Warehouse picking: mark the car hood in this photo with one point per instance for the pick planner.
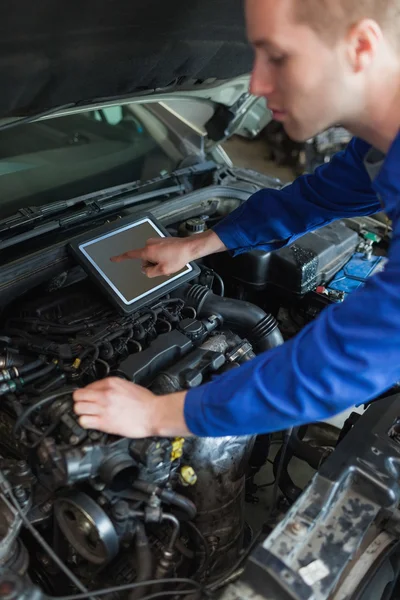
(56, 53)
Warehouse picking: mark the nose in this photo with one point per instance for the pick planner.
(261, 83)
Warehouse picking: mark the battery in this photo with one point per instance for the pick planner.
(356, 272)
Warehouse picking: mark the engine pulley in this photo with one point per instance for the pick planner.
(87, 527)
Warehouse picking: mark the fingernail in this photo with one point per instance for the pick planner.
(84, 422)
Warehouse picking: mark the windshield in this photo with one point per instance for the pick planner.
(64, 157)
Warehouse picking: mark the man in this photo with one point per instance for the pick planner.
(318, 63)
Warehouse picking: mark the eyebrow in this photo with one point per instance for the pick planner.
(263, 43)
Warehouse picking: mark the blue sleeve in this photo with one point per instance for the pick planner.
(350, 354)
(271, 219)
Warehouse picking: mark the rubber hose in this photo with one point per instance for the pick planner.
(143, 561)
(288, 488)
(30, 366)
(260, 328)
(168, 496)
(67, 391)
(310, 454)
(180, 502)
(38, 374)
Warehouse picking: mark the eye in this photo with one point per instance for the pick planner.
(277, 60)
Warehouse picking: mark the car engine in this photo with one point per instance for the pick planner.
(112, 511)
(179, 502)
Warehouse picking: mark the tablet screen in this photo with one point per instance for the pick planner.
(126, 278)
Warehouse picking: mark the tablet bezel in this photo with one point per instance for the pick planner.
(77, 248)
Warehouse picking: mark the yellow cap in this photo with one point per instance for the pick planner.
(188, 475)
(177, 448)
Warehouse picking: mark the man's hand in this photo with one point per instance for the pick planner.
(122, 408)
(165, 256)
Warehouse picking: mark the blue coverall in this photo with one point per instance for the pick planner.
(348, 355)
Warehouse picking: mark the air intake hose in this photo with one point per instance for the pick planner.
(260, 328)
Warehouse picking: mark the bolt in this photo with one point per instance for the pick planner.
(20, 494)
(22, 465)
(120, 510)
(154, 501)
(47, 507)
(213, 542)
(102, 501)
(44, 560)
(98, 485)
(73, 439)
(297, 528)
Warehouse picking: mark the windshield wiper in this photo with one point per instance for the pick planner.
(31, 215)
(95, 205)
(86, 214)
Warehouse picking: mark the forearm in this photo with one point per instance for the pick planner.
(273, 218)
(203, 244)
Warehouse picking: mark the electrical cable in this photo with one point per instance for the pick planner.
(286, 437)
(207, 553)
(39, 404)
(132, 586)
(265, 485)
(221, 283)
(45, 434)
(44, 544)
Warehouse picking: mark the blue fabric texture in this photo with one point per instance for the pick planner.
(351, 352)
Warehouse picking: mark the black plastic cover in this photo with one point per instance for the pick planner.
(298, 268)
(167, 348)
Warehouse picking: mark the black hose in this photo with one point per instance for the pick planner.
(180, 502)
(282, 477)
(58, 379)
(247, 319)
(143, 561)
(39, 404)
(38, 374)
(30, 366)
(90, 348)
(180, 546)
(168, 496)
(310, 454)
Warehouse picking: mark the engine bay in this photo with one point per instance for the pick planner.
(118, 511)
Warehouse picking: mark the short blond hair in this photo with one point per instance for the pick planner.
(332, 18)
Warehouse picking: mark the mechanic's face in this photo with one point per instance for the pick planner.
(306, 82)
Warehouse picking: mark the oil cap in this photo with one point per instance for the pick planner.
(195, 225)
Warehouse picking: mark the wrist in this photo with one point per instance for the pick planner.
(169, 419)
(203, 244)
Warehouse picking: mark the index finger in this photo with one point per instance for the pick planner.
(139, 253)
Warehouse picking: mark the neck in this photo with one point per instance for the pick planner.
(379, 122)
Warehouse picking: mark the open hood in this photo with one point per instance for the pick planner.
(55, 53)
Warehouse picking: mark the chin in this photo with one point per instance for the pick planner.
(299, 133)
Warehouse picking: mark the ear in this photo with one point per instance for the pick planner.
(363, 40)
